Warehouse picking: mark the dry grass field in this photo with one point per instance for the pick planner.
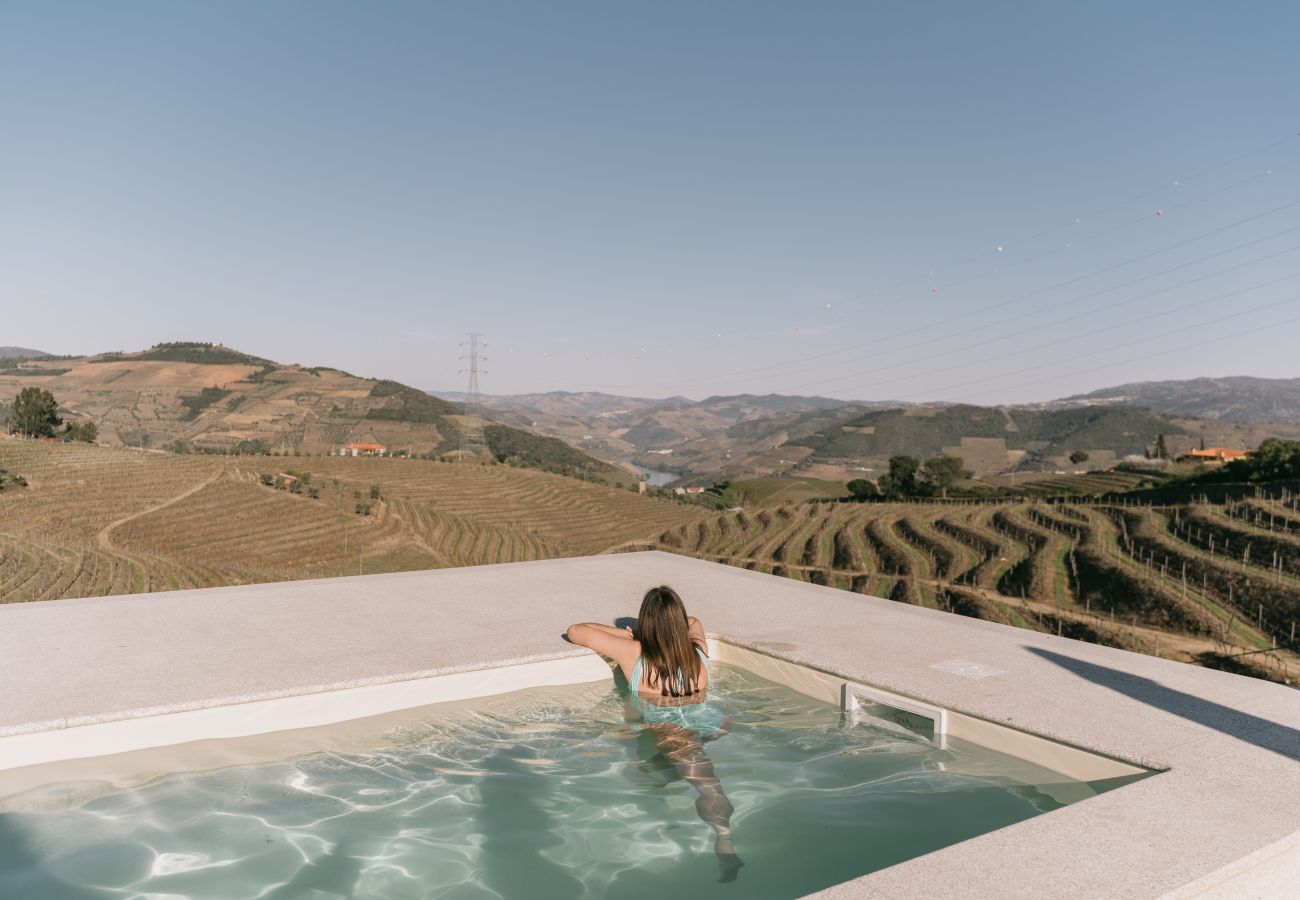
(99, 520)
(1213, 585)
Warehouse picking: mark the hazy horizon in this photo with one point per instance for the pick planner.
(1003, 204)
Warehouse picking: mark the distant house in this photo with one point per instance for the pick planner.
(1212, 455)
(364, 450)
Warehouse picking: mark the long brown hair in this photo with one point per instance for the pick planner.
(670, 660)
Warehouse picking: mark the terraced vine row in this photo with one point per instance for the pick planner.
(1127, 576)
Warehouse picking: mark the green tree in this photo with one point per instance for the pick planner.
(1274, 459)
(862, 489)
(900, 481)
(36, 413)
(941, 472)
(1079, 456)
(87, 432)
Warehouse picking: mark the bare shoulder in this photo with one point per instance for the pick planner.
(696, 632)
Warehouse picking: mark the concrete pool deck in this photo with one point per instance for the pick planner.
(1223, 821)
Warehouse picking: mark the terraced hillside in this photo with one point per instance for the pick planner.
(100, 520)
(1213, 585)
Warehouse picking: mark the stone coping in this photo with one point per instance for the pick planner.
(1222, 821)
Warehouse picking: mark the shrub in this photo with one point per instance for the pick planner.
(266, 479)
(861, 489)
(363, 509)
(374, 492)
(201, 401)
(255, 447)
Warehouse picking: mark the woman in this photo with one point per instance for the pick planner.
(666, 663)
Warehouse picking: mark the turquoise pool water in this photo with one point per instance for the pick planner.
(547, 793)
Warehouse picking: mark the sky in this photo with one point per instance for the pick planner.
(993, 203)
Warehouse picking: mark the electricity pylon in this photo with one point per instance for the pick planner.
(472, 442)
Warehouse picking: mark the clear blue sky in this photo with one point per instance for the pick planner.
(662, 198)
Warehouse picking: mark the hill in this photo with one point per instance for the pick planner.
(997, 439)
(1234, 399)
(190, 397)
(691, 437)
(756, 436)
(93, 520)
(21, 353)
(577, 404)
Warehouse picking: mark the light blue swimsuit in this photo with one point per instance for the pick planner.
(702, 717)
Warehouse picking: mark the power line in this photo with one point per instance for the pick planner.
(1076, 316)
(736, 375)
(929, 340)
(1144, 195)
(1232, 315)
(1214, 340)
(1138, 220)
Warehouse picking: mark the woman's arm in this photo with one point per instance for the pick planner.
(625, 633)
(607, 641)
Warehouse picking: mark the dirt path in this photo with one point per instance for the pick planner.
(104, 537)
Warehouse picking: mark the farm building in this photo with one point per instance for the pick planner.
(1212, 455)
(363, 450)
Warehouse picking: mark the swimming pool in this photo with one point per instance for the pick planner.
(546, 792)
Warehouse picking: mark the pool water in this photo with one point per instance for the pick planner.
(545, 793)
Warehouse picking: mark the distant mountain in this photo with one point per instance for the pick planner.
(207, 397)
(585, 404)
(1233, 399)
(21, 353)
(675, 433)
(780, 403)
(998, 439)
(566, 403)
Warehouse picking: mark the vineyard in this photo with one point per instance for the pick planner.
(96, 520)
(1216, 585)
(1213, 584)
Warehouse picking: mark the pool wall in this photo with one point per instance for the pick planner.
(1220, 821)
(115, 753)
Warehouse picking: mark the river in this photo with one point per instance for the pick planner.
(657, 477)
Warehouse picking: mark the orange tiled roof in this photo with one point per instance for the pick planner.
(1217, 453)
